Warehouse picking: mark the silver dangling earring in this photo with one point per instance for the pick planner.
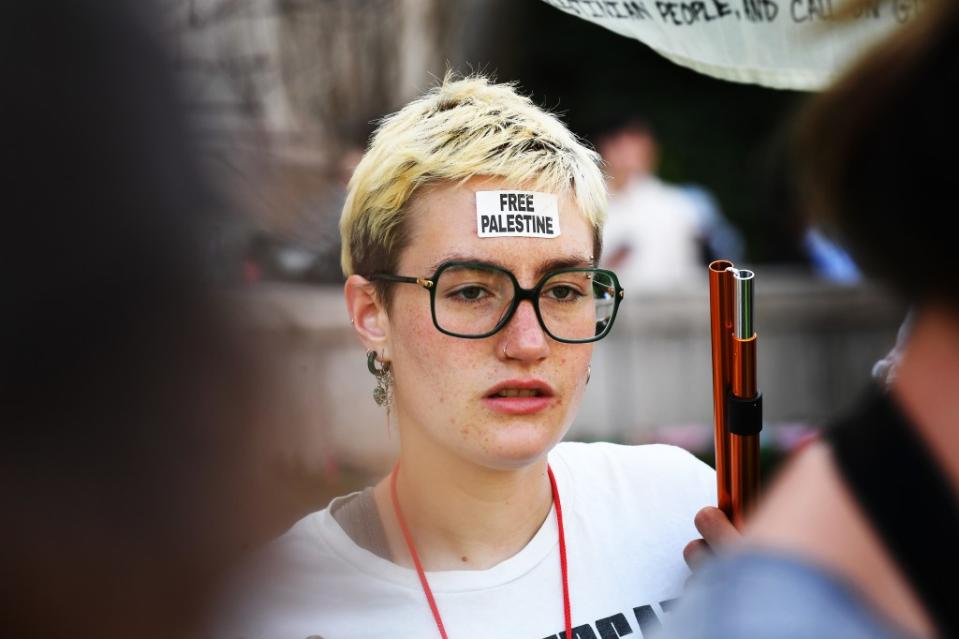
(589, 372)
(383, 393)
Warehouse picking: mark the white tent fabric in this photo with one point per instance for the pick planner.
(782, 44)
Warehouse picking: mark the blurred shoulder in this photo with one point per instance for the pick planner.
(774, 596)
(275, 576)
(293, 551)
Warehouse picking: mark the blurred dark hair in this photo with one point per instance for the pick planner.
(877, 156)
(618, 124)
(128, 404)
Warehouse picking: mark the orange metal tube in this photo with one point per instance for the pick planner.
(720, 321)
(743, 449)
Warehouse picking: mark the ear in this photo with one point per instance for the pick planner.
(368, 313)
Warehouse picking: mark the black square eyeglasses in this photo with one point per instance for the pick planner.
(474, 300)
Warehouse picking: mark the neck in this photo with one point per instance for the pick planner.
(462, 515)
(926, 385)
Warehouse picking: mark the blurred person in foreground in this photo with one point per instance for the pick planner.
(127, 403)
(857, 537)
(471, 234)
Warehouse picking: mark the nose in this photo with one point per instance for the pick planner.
(523, 338)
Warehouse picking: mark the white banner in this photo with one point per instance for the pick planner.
(783, 44)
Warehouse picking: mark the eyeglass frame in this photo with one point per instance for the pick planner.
(519, 294)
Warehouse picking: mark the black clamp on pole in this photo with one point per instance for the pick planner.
(744, 416)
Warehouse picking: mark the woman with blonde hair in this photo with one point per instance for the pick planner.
(471, 235)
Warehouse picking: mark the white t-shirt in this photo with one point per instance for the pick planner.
(628, 512)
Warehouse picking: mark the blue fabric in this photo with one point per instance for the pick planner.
(830, 260)
(769, 596)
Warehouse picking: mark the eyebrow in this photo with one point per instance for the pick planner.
(543, 267)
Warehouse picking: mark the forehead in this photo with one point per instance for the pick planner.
(442, 226)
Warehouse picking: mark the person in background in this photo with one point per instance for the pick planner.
(857, 537)
(720, 239)
(658, 236)
(128, 400)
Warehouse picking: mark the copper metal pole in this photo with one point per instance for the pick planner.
(720, 320)
(744, 449)
(745, 425)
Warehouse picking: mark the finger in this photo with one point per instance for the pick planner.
(695, 553)
(715, 527)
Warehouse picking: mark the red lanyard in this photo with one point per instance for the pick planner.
(567, 610)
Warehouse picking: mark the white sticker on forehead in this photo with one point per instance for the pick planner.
(516, 214)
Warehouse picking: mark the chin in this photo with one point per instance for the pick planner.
(519, 444)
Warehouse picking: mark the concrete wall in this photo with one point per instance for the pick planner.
(817, 344)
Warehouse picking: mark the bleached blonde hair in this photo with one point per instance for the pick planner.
(463, 128)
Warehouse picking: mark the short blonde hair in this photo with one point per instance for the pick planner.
(463, 128)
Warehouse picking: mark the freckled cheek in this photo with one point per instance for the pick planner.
(469, 431)
(441, 364)
(457, 366)
(412, 323)
(571, 366)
